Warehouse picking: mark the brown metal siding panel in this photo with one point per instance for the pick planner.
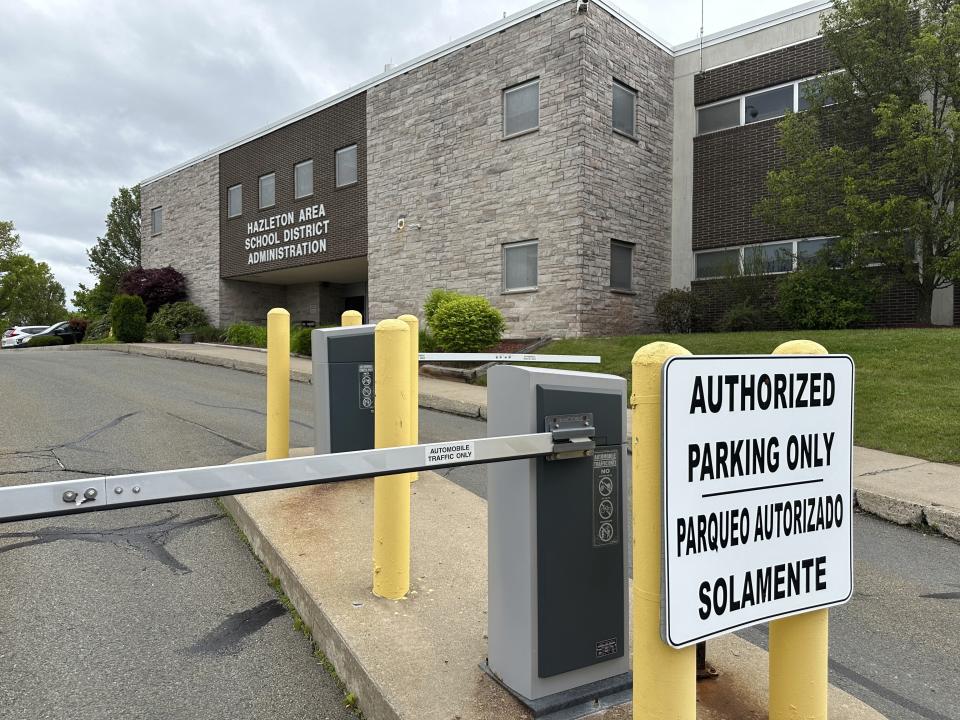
(316, 137)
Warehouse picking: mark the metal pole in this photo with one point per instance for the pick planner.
(350, 317)
(414, 383)
(391, 494)
(664, 679)
(799, 652)
(278, 384)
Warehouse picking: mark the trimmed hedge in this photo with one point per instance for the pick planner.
(178, 316)
(246, 334)
(467, 324)
(205, 333)
(300, 341)
(256, 336)
(128, 316)
(44, 341)
(435, 299)
(677, 311)
(99, 328)
(158, 332)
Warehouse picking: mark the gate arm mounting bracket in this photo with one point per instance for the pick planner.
(573, 435)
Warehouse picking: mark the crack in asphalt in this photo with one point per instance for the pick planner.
(150, 538)
(45, 453)
(261, 413)
(881, 471)
(238, 443)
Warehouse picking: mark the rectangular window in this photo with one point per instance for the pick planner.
(347, 166)
(775, 258)
(718, 117)
(807, 249)
(156, 221)
(624, 109)
(768, 104)
(521, 108)
(621, 265)
(810, 89)
(268, 190)
(303, 179)
(718, 263)
(234, 201)
(520, 266)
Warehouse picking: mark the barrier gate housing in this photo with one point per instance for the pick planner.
(557, 588)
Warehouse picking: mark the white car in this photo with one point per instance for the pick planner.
(18, 334)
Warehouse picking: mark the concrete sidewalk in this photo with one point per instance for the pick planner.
(418, 658)
(902, 489)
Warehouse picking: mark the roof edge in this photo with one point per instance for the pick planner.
(484, 32)
(416, 62)
(785, 15)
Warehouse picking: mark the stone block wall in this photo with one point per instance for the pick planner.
(244, 301)
(190, 238)
(626, 181)
(436, 154)
(321, 302)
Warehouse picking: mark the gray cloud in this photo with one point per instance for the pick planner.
(95, 95)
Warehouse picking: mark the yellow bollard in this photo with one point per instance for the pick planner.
(278, 384)
(798, 650)
(414, 413)
(350, 317)
(391, 494)
(664, 679)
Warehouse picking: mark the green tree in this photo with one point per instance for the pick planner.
(119, 248)
(875, 160)
(29, 294)
(113, 254)
(95, 301)
(9, 240)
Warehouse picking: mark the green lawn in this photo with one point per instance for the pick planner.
(907, 381)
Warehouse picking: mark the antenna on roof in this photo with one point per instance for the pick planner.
(701, 35)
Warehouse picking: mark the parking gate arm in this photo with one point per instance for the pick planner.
(63, 497)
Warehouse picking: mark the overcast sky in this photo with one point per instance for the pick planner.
(98, 94)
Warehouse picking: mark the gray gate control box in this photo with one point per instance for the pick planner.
(558, 533)
(343, 388)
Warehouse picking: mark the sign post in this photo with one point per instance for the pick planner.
(757, 491)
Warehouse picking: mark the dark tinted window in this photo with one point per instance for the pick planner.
(621, 265)
(718, 117)
(624, 108)
(768, 104)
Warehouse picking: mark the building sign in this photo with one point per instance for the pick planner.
(757, 490)
(291, 234)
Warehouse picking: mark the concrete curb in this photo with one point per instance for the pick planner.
(175, 353)
(324, 633)
(894, 508)
(902, 511)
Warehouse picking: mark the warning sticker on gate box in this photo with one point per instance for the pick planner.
(459, 451)
(365, 383)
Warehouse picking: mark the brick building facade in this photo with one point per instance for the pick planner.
(551, 162)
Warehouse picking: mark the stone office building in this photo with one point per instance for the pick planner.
(563, 162)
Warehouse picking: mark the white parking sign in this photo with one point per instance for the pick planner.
(757, 491)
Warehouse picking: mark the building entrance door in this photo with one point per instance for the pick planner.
(356, 302)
